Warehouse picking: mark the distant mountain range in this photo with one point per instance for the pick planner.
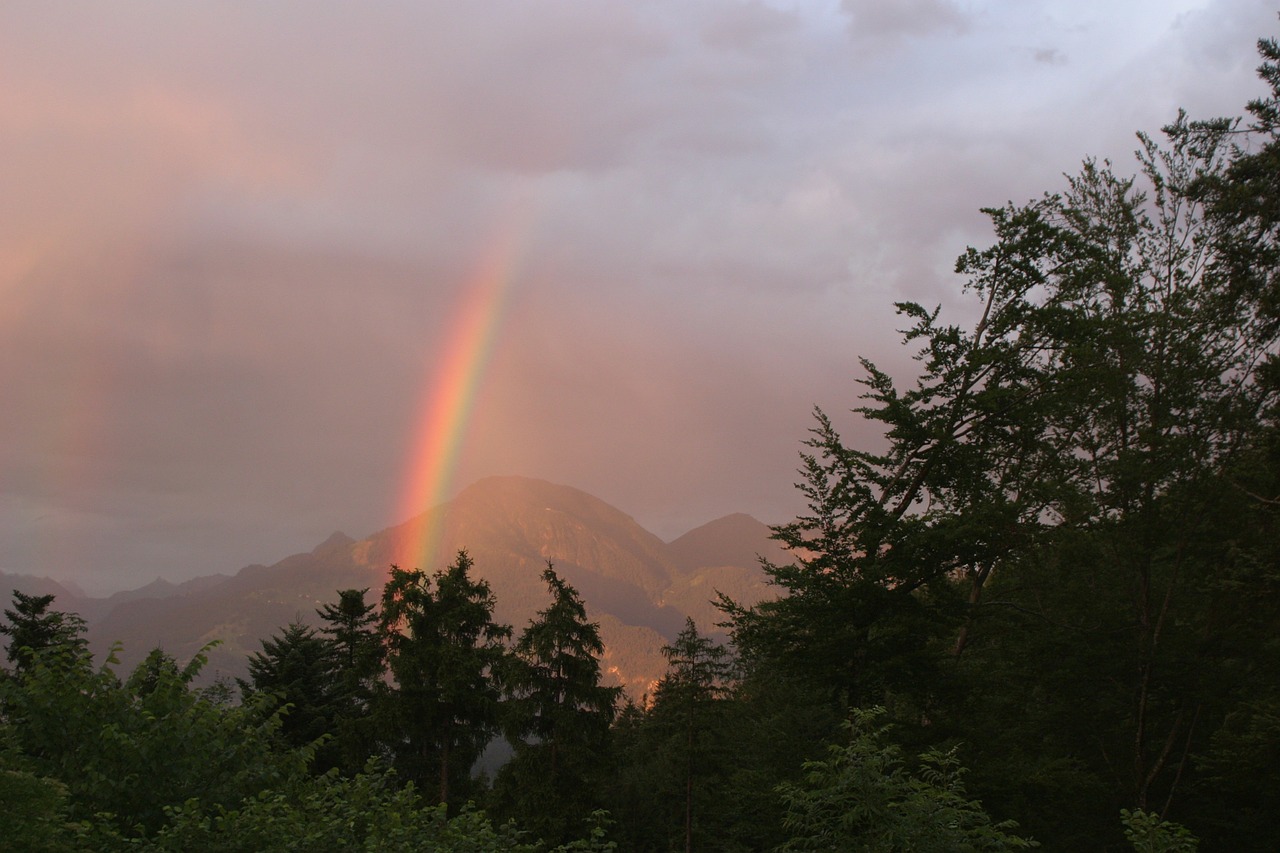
(639, 588)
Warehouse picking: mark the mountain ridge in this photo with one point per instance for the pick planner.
(639, 588)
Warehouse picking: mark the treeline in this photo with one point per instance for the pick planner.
(1051, 596)
(365, 734)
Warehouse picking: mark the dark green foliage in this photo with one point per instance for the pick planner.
(774, 724)
(34, 813)
(351, 626)
(864, 797)
(446, 655)
(127, 754)
(91, 763)
(1148, 833)
(33, 627)
(365, 812)
(296, 673)
(559, 717)
(670, 792)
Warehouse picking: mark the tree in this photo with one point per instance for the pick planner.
(124, 752)
(1057, 485)
(863, 797)
(1246, 195)
(296, 672)
(351, 626)
(33, 627)
(91, 763)
(559, 718)
(446, 655)
(688, 706)
(1149, 834)
(34, 815)
(368, 811)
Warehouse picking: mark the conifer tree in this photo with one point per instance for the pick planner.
(34, 627)
(297, 668)
(351, 627)
(447, 656)
(688, 709)
(559, 719)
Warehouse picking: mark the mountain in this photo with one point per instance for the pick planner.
(711, 559)
(34, 585)
(639, 588)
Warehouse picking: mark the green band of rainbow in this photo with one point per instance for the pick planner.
(446, 408)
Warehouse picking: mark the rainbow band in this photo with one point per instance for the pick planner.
(446, 407)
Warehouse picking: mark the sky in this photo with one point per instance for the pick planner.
(270, 270)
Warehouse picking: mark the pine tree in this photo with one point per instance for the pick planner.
(688, 707)
(446, 655)
(351, 627)
(298, 668)
(559, 720)
(33, 627)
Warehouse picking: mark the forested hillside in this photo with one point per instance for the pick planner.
(1045, 611)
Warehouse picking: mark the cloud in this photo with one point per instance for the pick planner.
(235, 235)
(1049, 56)
(873, 22)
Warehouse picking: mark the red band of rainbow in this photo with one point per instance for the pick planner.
(446, 408)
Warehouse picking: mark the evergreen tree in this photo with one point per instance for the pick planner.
(688, 713)
(559, 719)
(297, 670)
(446, 655)
(33, 627)
(351, 626)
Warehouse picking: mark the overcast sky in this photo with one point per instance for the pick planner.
(233, 238)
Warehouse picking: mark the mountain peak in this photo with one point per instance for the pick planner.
(734, 540)
(631, 581)
(336, 540)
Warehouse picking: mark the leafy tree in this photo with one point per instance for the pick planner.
(559, 718)
(90, 763)
(1149, 834)
(446, 655)
(33, 627)
(1062, 483)
(864, 797)
(367, 811)
(124, 756)
(34, 817)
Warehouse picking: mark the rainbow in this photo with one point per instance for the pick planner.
(446, 404)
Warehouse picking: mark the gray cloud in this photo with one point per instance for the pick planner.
(236, 236)
(872, 21)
